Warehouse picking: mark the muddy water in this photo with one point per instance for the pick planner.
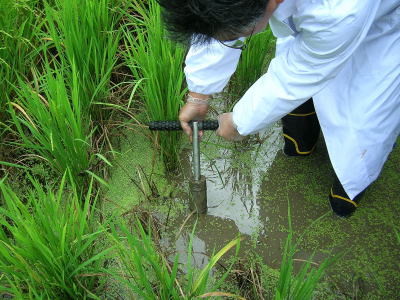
(235, 182)
(233, 186)
(249, 188)
(250, 185)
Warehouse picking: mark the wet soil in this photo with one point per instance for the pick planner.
(250, 187)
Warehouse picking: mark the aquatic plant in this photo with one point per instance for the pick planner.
(51, 125)
(252, 64)
(149, 274)
(49, 244)
(156, 63)
(84, 35)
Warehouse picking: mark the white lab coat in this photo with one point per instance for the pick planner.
(343, 53)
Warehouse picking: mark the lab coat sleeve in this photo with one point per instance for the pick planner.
(209, 67)
(326, 39)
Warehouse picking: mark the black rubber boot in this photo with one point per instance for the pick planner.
(340, 202)
(301, 130)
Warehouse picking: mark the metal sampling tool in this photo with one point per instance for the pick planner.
(198, 185)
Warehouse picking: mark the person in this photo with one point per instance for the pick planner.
(337, 66)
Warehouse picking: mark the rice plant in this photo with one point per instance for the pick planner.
(84, 35)
(156, 62)
(50, 244)
(19, 25)
(150, 276)
(302, 284)
(51, 125)
(252, 64)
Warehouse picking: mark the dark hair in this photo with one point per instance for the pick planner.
(197, 21)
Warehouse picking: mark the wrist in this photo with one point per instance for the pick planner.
(194, 98)
(234, 125)
(199, 95)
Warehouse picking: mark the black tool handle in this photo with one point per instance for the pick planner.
(176, 125)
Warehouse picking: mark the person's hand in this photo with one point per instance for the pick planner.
(227, 128)
(193, 111)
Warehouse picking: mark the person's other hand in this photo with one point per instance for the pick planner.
(227, 128)
(193, 111)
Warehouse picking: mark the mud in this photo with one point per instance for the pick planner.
(250, 187)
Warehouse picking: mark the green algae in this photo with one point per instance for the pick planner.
(138, 178)
(367, 239)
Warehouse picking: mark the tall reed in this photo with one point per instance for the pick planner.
(49, 244)
(151, 276)
(252, 64)
(51, 124)
(157, 63)
(84, 35)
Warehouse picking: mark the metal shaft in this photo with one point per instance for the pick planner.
(196, 151)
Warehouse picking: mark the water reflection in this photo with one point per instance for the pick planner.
(198, 258)
(234, 180)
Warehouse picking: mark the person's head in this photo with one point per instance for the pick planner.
(198, 21)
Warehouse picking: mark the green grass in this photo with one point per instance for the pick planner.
(156, 63)
(252, 64)
(302, 284)
(149, 274)
(84, 36)
(49, 244)
(56, 59)
(19, 25)
(51, 125)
